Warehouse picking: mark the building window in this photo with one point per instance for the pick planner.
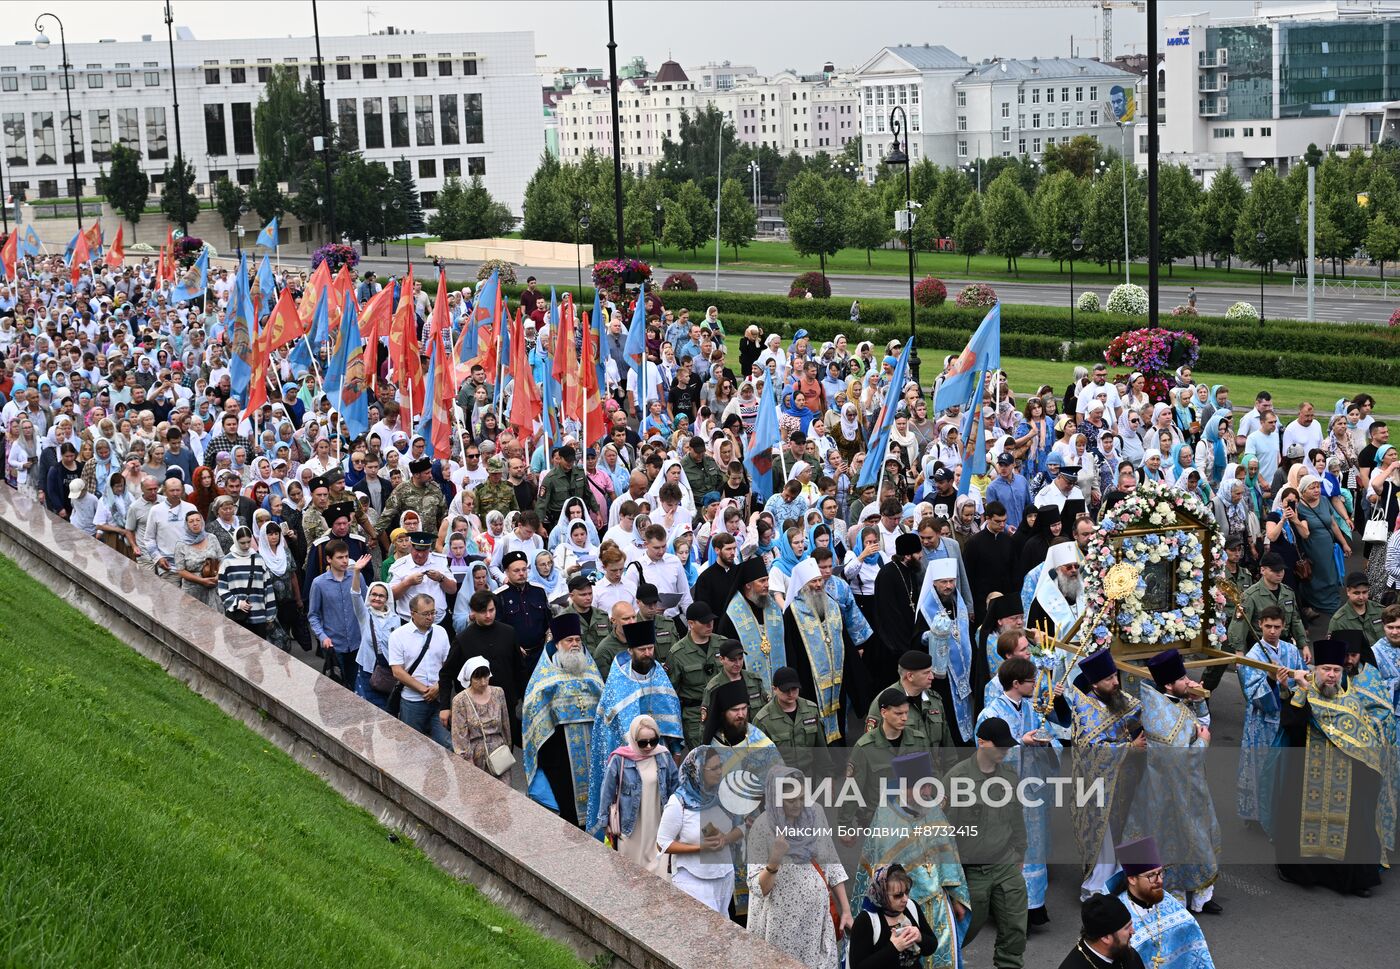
(476, 166)
(129, 128)
(469, 67)
(38, 82)
(211, 75)
(962, 99)
(398, 122)
(1050, 142)
(1266, 132)
(1005, 133)
(94, 80)
(427, 168)
(16, 141)
(123, 80)
(157, 142)
(445, 65)
(447, 115)
(1035, 120)
(1035, 146)
(1021, 97)
(238, 75)
(100, 127)
(395, 66)
(374, 122)
(369, 69)
(1020, 120)
(423, 118)
(1064, 119)
(65, 83)
(1035, 96)
(1094, 92)
(474, 130)
(452, 168)
(420, 66)
(1093, 116)
(347, 122)
(264, 71)
(1079, 94)
(48, 188)
(11, 83)
(342, 68)
(152, 78)
(1049, 95)
(1020, 146)
(1064, 95)
(962, 122)
(242, 117)
(1006, 109)
(215, 140)
(1079, 119)
(962, 148)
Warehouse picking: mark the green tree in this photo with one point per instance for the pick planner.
(1337, 187)
(409, 209)
(548, 215)
(639, 214)
(970, 230)
(126, 186)
(868, 227)
(1220, 213)
(1010, 224)
(264, 196)
(1266, 210)
(1178, 226)
(1332, 243)
(738, 222)
(851, 153)
(788, 169)
(451, 217)
(288, 116)
(229, 199)
(1078, 156)
(815, 215)
(699, 215)
(948, 201)
(676, 230)
(177, 199)
(1103, 222)
(1059, 213)
(694, 153)
(1384, 196)
(361, 190)
(1383, 241)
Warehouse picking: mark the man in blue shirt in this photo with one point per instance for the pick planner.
(1010, 488)
(1264, 445)
(331, 612)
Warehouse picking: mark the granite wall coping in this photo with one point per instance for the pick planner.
(553, 865)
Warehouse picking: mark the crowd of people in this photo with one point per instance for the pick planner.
(618, 622)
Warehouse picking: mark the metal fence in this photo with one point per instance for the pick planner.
(1354, 288)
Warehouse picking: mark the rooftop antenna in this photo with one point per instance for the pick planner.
(369, 12)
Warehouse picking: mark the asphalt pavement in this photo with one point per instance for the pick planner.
(1280, 301)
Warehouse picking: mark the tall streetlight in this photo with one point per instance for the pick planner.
(904, 219)
(1261, 238)
(754, 170)
(580, 225)
(42, 42)
(656, 231)
(1076, 246)
(820, 223)
(325, 138)
(175, 97)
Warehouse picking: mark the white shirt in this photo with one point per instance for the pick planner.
(511, 542)
(653, 385)
(1309, 437)
(406, 566)
(165, 529)
(1052, 495)
(608, 594)
(1112, 405)
(669, 577)
(404, 646)
(680, 823)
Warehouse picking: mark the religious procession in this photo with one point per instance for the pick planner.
(758, 611)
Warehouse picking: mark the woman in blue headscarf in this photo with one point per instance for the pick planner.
(703, 865)
(801, 411)
(682, 546)
(547, 577)
(1183, 414)
(791, 548)
(1182, 461)
(1215, 448)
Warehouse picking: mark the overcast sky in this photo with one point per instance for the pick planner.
(768, 34)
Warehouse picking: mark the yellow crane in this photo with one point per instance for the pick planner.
(1105, 6)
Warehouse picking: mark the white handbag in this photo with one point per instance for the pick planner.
(1375, 525)
(500, 760)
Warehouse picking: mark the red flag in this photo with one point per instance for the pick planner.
(9, 256)
(439, 331)
(81, 257)
(341, 287)
(262, 356)
(117, 254)
(319, 279)
(444, 387)
(93, 235)
(375, 321)
(165, 270)
(284, 325)
(593, 417)
(525, 403)
(566, 370)
(403, 345)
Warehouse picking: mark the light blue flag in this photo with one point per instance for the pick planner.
(983, 352)
(267, 288)
(483, 311)
(267, 238)
(300, 358)
(189, 291)
(321, 320)
(345, 373)
(635, 350)
(758, 455)
(879, 444)
(973, 446)
(241, 323)
(600, 327)
(30, 244)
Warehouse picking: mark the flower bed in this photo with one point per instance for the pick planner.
(1128, 298)
(930, 291)
(337, 254)
(811, 282)
(1088, 302)
(977, 294)
(614, 274)
(503, 266)
(680, 283)
(1242, 311)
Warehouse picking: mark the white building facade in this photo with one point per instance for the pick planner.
(792, 113)
(448, 104)
(649, 113)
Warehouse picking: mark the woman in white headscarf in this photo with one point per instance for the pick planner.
(578, 548)
(671, 471)
(546, 575)
(282, 582)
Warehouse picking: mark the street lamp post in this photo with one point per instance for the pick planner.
(175, 98)
(899, 155)
(656, 231)
(1076, 246)
(754, 170)
(42, 42)
(1261, 238)
(820, 223)
(580, 225)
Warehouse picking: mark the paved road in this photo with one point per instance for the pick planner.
(1212, 300)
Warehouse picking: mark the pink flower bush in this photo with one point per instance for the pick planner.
(930, 291)
(977, 295)
(1153, 351)
(680, 282)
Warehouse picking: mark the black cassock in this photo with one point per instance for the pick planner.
(990, 561)
(715, 587)
(1079, 959)
(901, 628)
(855, 689)
(554, 762)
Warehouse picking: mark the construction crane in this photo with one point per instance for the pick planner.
(1105, 6)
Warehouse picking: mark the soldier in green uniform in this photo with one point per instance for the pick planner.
(992, 844)
(872, 757)
(1244, 628)
(615, 641)
(1360, 611)
(731, 661)
(794, 724)
(497, 494)
(691, 666)
(926, 720)
(595, 622)
(419, 493)
(313, 520)
(649, 609)
(564, 481)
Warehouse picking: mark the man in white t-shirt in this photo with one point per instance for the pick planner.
(1097, 385)
(1305, 431)
(417, 668)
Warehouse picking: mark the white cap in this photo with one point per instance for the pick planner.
(943, 569)
(1064, 553)
(470, 667)
(802, 573)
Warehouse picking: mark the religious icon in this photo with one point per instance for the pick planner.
(1158, 595)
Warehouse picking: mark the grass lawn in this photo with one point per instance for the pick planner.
(142, 827)
(781, 257)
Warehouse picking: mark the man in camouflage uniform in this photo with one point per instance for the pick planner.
(615, 642)
(595, 623)
(564, 481)
(691, 665)
(649, 609)
(496, 494)
(925, 727)
(419, 493)
(793, 723)
(313, 520)
(731, 661)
